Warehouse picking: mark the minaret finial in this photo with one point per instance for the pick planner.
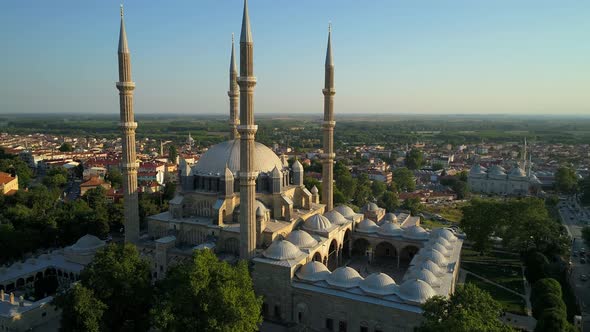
(329, 59)
(123, 47)
(246, 34)
(121, 10)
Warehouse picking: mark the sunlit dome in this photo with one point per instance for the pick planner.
(433, 255)
(344, 277)
(346, 211)
(317, 222)
(371, 207)
(301, 239)
(282, 250)
(87, 242)
(313, 271)
(228, 153)
(378, 284)
(517, 172)
(415, 290)
(444, 243)
(367, 226)
(415, 232)
(390, 217)
(443, 233)
(440, 248)
(496, 171)
(432, 267)
(477, 170)
(426, 275)
(336, 217)
(390, 229)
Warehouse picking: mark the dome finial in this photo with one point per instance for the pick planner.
(121, 10)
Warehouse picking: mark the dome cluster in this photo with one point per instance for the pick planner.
(413, 290)
(317, 222)
(415, 232)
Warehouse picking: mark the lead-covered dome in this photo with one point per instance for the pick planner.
(282, 250)
(87, 242)
(416, 291)
(390, 229)
(440, 248)
(313, 271)
(367, 226)
(371, 207)
(346, 211)
(390, 217)
(444, 243)
(317, 222)
(378, 284)
(344, 277)
(415, 233)
(228, 153)
(302, 239)
(432, 267)
(433, 255)
(443, 233)
(335, 217)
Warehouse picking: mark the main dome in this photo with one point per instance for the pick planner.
(228, 153)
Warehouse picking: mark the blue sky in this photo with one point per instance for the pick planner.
(391, 56)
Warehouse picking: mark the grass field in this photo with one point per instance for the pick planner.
(510, 302)
(508, 276)
(450, 212)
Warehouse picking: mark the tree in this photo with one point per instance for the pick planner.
(566, 180)
(16, 166)
(66, 147)
(585, 189)
(586, 235)
(121, 279)
(413, 204)
(468, 309)
(207, 295)
(480, 221)
(414, 159)
(172, 153)
(115, 177)
(536, 266)
(81, 310)
(437, 166)
(553, 320)
(404, 179)
(390, 201)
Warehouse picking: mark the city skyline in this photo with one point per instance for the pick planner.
(390, 57)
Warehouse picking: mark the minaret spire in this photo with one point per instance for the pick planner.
(128, 126)
(234, 94)
(328, 128)
(247, 130)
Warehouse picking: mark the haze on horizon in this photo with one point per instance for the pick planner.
(429, 57)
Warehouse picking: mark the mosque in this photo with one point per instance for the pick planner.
(317, 267)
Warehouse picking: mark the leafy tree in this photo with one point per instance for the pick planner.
(310, 182)
(378, 189)
(413, 204)
(81, 310)
(437, 166)
(553, 320)
(344, 180)
(586, 235)
(207, 295)
(390, 201)
(566, 180)
(16, 166)
(585, 190)
(115, 177)
(536, 266)
(66, 147)
(480, 221)
(404, 179)
(121, 280)
(169, 191)
(468, 309)
(414, 159)
(172, 153)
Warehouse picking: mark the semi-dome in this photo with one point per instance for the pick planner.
(313, 271)
(228, 153)
(87, 242)
(390, 229)
(317, 222)
(367, 226)
(390, 217)
(425, 275)
(371, 207)
(302, 239)
(378, 284)
(443, 233)
(335, 217)
(415, 290)
(496, 171)
(415, 232)
(344, 277)
(345, 210)
(282, 250)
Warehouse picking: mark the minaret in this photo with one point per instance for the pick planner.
(524, 154)
(247, 130)
(128, 125)
(328, 129)
(234, 94)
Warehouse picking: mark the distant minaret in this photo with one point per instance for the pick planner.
(128, 125)
(234, 94)
(524, 154)
(328, 129)
(247, 130)
(161, 148)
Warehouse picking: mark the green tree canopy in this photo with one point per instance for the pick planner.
(586, 235)
(66, 147)
(207, 295)
(404, 179)
(566, 180)
(115, 177)
(172, 153)
(81, 310)
(414, 159)
(468, 309)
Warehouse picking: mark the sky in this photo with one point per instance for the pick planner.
(391, 56)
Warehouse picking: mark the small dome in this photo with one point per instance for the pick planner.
(88, 242)
(390, 217)
(314, 190)
(335, 217)
(390, 229)
(346, 211)
(444, 243)
(415, 232)
(302, 239)
(259, 212)
(31, 261)
(440, 248)
(476, 170)
(313, 271)
(282, 250)
(444, 234)
(344, 277)
(416, 291)
(432, 267)
(428, 276)
(378, 284)
(371, 207)
(367, 226)
(517, 172)
(297, 167)
(317, 222)
(496, 171)
(433, 255)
